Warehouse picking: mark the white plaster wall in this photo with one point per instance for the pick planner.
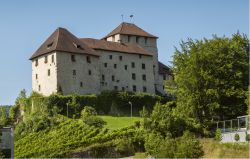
(70, 83)
(48, 84)
(123, 78)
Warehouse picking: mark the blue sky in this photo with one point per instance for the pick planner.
(25, 24)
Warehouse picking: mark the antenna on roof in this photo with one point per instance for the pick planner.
(122, 17)
(131, 17)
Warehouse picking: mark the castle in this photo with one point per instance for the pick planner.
(124, 60)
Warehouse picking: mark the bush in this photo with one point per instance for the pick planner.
(89, 117)
(218, 136)
(188, 147)
(247, 137)
(236, 137)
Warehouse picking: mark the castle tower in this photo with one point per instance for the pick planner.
(132, 34)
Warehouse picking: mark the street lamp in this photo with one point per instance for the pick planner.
(131, 108)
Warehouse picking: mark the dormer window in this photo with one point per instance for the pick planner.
(78, 46)
(49, 45)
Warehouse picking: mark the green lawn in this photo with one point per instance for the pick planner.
(119, 122)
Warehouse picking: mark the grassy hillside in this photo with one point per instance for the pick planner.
(213, 149)
(119, 122)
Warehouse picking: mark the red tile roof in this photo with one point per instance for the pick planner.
(115, 46)
(62, 40)
(163, 69)
(129, 29)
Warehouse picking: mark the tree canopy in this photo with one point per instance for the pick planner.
(211, 76)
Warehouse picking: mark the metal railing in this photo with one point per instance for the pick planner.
(242, 123)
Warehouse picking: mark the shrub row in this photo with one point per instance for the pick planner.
(108, 102)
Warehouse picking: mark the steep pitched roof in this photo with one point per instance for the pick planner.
(163, 69)
(115, 46)
(129, 29)
(62, 40)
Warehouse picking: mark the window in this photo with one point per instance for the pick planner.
(73, 58)
(144, 77)
(36, 64)
(133, 76)
(110, 57)
(134, 88)
(78, 46)
(137, 39)
(36, 76)
(89, 72)
(115, 66)
(140, 56)
(81, 84)
(52, 58)
(113, 78)
(133, 65)
(113, 38)
(120, 58)
(74, 72)
(88, 59)
(103, 77)
(48, 72)
(125, 67)
(39, 88)
(146, 40)
(129, 37)
(49, 45)
(143, 66)
(144, 89)
(45, 59)
(164, 77)
(105, 64)
(116, 88)
(123, 89)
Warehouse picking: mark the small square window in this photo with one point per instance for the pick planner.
(48, 72)
(133, 65)
(73, 58)
(52, 58)
(36, 64)
(120, 58)
(140, 56)
(137, 39)
(103, 77)
(115, 65)
(36, 76)
(143, 66)
(45, 59)
(81, 84)
(74, 72)
(113, 78)
(144, 77)
(134, 88)
(110, 57)
(88, 59)
(144, 89)
(125, 67)
(105, 65)
(39, 88)
(90, 72)
(133, 76)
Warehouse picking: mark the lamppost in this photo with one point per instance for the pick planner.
(67, 109)
(131, 108)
